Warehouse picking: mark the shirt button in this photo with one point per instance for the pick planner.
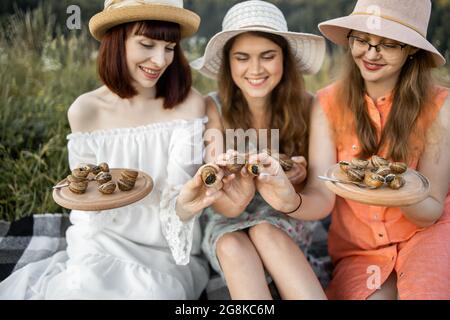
(381, 235)
(375, 217)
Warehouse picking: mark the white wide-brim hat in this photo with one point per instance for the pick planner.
(308, 49)
(405, 21)
(118, 12)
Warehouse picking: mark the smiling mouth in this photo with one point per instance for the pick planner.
(256, 82)
(152, 73)
(372, 66)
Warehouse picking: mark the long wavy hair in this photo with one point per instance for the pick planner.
(289, 103)
(408, 117)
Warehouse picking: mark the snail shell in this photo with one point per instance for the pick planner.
(107, 188)
(96, 170)
(78, 187)
(377, 161)
(209, 176)
(130, 175)
(356, 175)
(89, 167)
(125, 185)
(104, 167)
(253, 169)
(80, 173)
(103, 177)
(398, 167)
(360, 164)
(373, 180)
(397, 182)
(71, 179)
(344, 165)
(235, 164)
(286, 163)
(383, 171)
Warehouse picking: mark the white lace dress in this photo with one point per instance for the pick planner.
(142, 251)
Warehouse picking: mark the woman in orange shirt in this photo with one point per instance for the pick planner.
(385, 103)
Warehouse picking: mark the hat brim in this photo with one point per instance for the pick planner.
(105, 20)
(308, 50)
(336, 30)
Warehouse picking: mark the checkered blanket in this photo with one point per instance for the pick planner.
(40, 236)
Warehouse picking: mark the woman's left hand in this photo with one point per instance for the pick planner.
(298, 172)
(273, 184)
(194, 197)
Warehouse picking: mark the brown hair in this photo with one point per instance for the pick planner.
(174, 85)
(407, 119)
(289, 101)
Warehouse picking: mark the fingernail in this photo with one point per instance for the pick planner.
(296, 158)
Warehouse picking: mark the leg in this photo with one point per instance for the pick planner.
(286, 263)
(388, 290)
(242, 267)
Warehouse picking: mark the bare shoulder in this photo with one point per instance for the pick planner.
(214, 118)
(83, 111)
(193, 107)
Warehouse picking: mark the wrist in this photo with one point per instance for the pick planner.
(300, 201)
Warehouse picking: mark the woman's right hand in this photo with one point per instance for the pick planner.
(238, 189)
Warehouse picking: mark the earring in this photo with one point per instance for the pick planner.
(411, 57)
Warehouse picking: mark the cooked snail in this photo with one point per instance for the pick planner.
(344, 165)
(395, 181)
(104, 167)
(373, 180)
(80, 173)
(78, 187)
(356, 175)
(377, 161)
(209, 175)
(360, 164)
(383, 171)
(103, 177)
(253, 169)
(127, 180)
(398, 167)
(235, 164)
(107, 188)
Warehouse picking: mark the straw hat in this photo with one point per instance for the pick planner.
(401, 20)
(255, 15)
(122, 11)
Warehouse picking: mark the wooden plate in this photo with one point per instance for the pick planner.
(416, 189)
(94, 200)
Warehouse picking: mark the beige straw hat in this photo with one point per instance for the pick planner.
(255, 15)
(401, 20)
(117, 12)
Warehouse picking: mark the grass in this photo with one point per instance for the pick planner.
(42, 72)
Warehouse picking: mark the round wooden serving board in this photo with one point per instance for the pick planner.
(416, 189)
(94, 200)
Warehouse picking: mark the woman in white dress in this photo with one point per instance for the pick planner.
(145, 117)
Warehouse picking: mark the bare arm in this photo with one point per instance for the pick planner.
(318, 201)
(435, 165)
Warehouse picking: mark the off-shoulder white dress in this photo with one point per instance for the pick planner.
(143, 251)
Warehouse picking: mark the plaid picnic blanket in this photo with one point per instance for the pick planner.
(40, 236)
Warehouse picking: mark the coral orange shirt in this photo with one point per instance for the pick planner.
(364, 238)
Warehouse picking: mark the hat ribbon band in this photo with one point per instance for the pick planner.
(390, 19)
(114, 4)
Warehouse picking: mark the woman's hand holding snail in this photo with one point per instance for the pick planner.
(238, 186)
(273, 184)
(196, 196)
(298, 172)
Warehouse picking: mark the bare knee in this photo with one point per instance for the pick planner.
(233, 246)
(267, 235)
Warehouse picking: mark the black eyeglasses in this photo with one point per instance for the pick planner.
(384, 47)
